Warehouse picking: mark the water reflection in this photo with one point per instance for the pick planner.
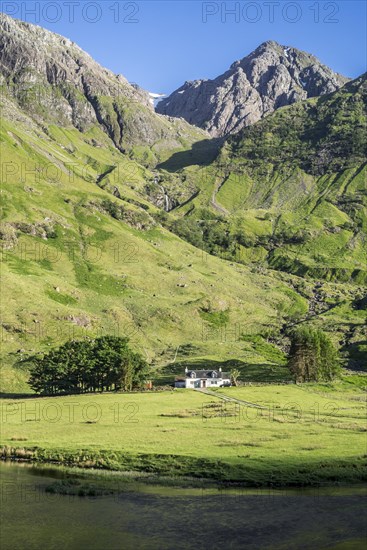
(149, 517)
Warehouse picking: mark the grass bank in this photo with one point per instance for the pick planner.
(306, 435)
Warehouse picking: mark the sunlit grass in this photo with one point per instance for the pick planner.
(301, 433)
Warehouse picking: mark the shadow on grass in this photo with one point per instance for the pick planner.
(4, 395)
(263, 372)
(245, 470)
(356, 356)
(201, 153)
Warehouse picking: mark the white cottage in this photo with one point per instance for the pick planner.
(203, 379)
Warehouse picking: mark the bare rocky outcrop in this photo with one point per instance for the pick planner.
(55, 81)
(31, 55)
(271, 77)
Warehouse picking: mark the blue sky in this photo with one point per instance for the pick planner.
(160, 44)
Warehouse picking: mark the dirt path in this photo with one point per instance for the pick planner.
(213, 201)
(230, 399)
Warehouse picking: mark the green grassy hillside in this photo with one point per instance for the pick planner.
(86, 252)
(290, 192)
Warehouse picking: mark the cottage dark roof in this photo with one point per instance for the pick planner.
(207, 374)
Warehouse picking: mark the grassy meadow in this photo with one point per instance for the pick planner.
(87, 251)
(74, 269)
(310, 434)
(85, 254)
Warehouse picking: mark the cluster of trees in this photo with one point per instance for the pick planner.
(107, 363)
(312, 356)
(102, 364)
(135, 218)
(213, 233)
(223, 237)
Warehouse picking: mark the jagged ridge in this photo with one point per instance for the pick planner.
(270, 77)
(55, 81)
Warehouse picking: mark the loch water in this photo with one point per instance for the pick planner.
(158, 517)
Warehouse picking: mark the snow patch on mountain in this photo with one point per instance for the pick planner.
(155, 98)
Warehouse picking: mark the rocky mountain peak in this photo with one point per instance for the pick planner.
(270, 77)
(54, 81)
(29, 53)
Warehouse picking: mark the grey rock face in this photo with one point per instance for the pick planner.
(55, 81)
(270, 77)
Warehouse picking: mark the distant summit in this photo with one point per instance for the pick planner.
(270, 77)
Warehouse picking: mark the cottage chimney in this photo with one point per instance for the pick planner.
(186, 370)
(220, 369)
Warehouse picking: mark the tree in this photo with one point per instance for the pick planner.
(235, 373)
(101, 364)
(329, 360)
(312, 356)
